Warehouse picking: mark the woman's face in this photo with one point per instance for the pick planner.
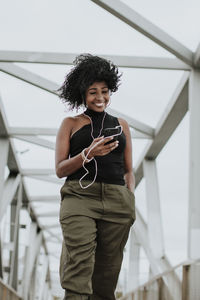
(97, 96)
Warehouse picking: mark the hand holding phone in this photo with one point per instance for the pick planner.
(112, 132)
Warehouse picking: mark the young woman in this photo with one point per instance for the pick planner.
(97, 199)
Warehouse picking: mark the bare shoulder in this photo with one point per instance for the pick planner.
(69, 123)
(124, 124)
(66, 126)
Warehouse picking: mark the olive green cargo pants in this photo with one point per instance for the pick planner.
(95, 224)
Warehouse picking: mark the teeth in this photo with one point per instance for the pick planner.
(99, 104)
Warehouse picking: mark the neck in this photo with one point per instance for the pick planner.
(91, 112)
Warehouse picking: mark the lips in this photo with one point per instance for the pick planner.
(99, 104)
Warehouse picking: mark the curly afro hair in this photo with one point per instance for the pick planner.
(87, 70)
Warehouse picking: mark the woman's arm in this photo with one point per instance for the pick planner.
(64, 165)
(129, 176)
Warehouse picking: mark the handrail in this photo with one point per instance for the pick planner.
(8, 290)
(160, 275)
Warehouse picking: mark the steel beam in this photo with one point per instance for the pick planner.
(192, 282)
(194, 166)
(136, 21)
(51, 87)
(68, 58)
(32, 131)
(33, 289)
(43, 276)
(9, 192)
(17, 132)
(168, 123)
(197, 57)
(14, 168)
(29, 77)
(155, 230)
(12, 162)
(36, 141)
(1, 263)
(134, 257)
(139, 126)
(46, 178)
(35, 240)
(14, 237)
(4, 148)
(140, 229)
(157, 265)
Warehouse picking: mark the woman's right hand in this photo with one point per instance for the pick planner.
(98, 147)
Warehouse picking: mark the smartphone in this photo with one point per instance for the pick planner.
(115, 132)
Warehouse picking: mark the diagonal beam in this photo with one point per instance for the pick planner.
(139, 126)
(68, 58)
(12, 163)
(31, 131)
(157, 264)
(47, 179)
(29, 77)
(135, 20)
(36, 141)
(51, 87)
(9, 192)
(4, 146)
(169, 121)
(197, 57)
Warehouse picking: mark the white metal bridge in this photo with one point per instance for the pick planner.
(30, 237)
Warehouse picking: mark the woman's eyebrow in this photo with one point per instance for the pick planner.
(105, 87)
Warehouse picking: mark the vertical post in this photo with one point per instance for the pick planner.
(4, 148)
(1, 265)
(185, 294)
(193, 282)
(43, 277)
(133, 270)
(35, 240)
(14, 237)
(155, 232)
(194, 166)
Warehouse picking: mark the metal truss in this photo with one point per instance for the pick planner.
(14, 195)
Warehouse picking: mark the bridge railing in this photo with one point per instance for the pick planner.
(165, 286)
(8, 293)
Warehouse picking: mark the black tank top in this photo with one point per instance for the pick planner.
(110, 168)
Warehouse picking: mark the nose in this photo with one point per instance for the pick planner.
(99, 97)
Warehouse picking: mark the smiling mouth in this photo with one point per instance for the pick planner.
(99, 104)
